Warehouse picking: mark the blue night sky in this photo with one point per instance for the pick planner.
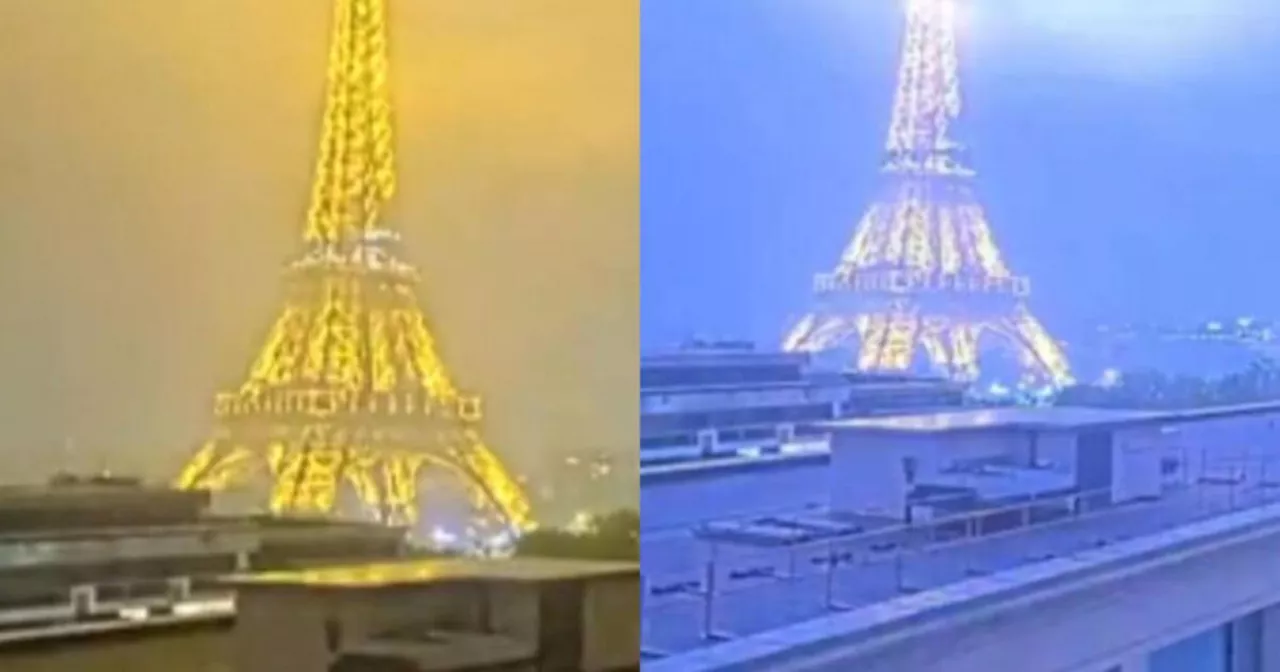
(1128, 154)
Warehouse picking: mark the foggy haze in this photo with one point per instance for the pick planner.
(155, 162)
(1121, 153)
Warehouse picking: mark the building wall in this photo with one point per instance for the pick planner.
(283, 628)
(1094, 628)
(719, 493)
(1181, 451)
(1136, 463)
(1269, 634)
(611, 616)
(1230, 434)
(170, 650)
(1219, 444)
(867, 468)
(1056, 450)
(867, 474)
(725, 493)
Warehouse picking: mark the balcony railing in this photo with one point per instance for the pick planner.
(699, 591)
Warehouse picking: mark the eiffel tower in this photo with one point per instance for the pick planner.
(923, 282)
(348, 405)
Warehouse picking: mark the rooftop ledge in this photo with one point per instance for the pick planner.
(897, 619)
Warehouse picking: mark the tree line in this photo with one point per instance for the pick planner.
(612, 536)
(1151, 389)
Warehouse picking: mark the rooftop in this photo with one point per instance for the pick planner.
(1039, 419)
(439, 570)
(1017, 418)
(778, 568)
(820, 379)
(722, 357)
(847, 626)
(758, 588)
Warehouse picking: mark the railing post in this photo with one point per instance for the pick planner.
(833, 563)
(1231, 492)
(829, 588)
(708, 601)
(84, 600)
(709, 609)
(1199, 486)
(179, 589)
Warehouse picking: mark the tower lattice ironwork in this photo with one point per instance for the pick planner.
(349, 399)
(923, 281)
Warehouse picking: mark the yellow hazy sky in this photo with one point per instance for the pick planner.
(155, 158)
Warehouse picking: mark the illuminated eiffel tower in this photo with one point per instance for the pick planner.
(922, 278)
(349, 404)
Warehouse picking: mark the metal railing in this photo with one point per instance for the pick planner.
(703, 590)
(134, 600)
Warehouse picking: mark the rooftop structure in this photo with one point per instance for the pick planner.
(94, 556)
(71, 503)
(442, 614)
(925, 517)
(439, 571)
(712, 403)
(989, 419)
(1043, 419)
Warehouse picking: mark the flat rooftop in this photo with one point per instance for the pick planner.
(1017, 418)
(267, 525)
(1059, 418)
(810, 381)
(439, 570)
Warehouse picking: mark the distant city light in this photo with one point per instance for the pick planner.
(501, 543)
(581, 523)
(443, 538)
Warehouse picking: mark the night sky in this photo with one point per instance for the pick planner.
(154, 166)
(155, 159)
(1127, 150)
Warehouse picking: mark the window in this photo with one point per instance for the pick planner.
(1205, 652)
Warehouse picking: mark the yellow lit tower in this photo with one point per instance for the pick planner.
(349, 404)
(923, 281)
